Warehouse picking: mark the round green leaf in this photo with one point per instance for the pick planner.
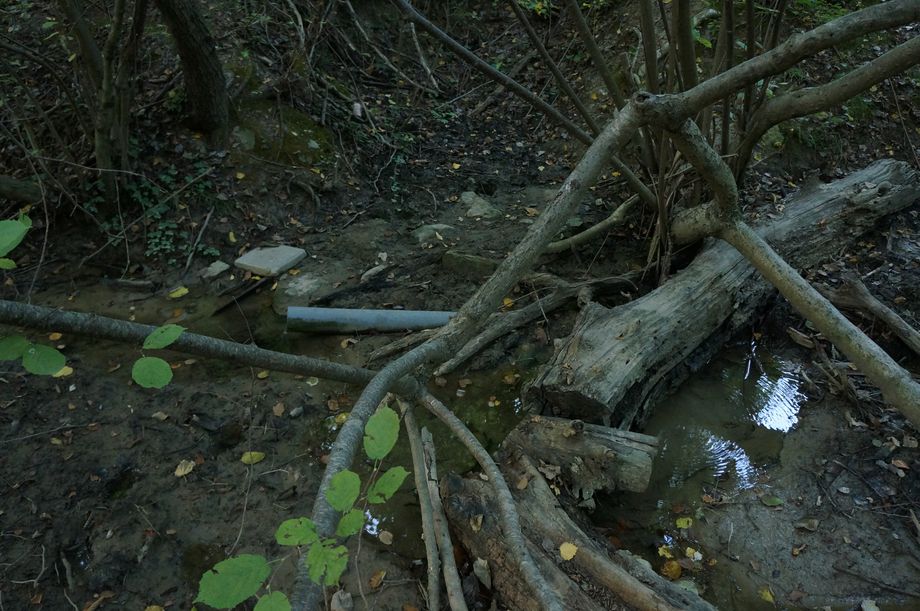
(323, 559)
(297, 531)
(232, 581)
(343, 490)
(151, 372)
(13, 347)
(42, 360)
(163, 336)
(276, 601)
(7, 263)
(12, 233)
(351, 523)
(380, 433)
(387, 485)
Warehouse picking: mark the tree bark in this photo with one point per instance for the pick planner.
(205, 85)
(618, 361)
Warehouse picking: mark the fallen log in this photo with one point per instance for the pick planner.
(590, 457)
(596, 577)
(618, 361)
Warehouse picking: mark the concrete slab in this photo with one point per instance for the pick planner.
(270, 261)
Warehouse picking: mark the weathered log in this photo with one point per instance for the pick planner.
(591, 457)
(594, 578)
(618, 361)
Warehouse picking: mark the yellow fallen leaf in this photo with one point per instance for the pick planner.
(455, 166)
(766, 594)
(251, 458)
(341, 418)
(65, 371)
(262, 374)
(684, 522)
(568, 550)
(179, 292)
(671, 569)
(56, 441)
(312, 381)
(184, 467)
(665, 552)
(55, 336)
(240, 175)
(376, 579)
(231, 237)
(507, 303)
(153, 608)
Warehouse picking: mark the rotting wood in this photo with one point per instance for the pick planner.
(618, 361)
(590, 457)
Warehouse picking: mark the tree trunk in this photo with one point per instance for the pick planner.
(205, 85)
(618, 361)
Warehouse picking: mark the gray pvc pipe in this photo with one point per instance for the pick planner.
(345, 320)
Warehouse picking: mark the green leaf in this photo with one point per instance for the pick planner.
(232, 581)
(7, 264)
(771, 501)
(387, 485)
(297, 531)
(163, 336)
(380, 433)
(343, 490)
(351, 523)
(323, 559)
(12, 347)
(151, 372)
(276, 601)
(12, 233)
(43, 360)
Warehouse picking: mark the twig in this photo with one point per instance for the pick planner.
(876, 582)
(425, 504)
(451, 576)
(191, 254)
(421, 57)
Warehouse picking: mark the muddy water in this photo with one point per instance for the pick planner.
(720, 435)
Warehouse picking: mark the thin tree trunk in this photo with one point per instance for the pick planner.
(205, 85)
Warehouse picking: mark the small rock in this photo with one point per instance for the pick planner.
(430, 234)
(374, 271)
(297, 412)
(341, 601)
(214, 270)
(301, 290)
(478, 206)
(270, 261)
(462, 263)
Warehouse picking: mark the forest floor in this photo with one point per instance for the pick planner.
(93, 512)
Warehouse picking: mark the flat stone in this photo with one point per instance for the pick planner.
(214, 270)
(300, 290)
(468, 265)
(478, 206)
(270, 261)
(429, 234)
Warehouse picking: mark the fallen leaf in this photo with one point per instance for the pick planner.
(798, 549)
(665, 552)
(376, 579)
(65, 371)
(251, 458)
(231, 237)
(312, 381)
(240, 175)
(100, 600)
(684, 522)
(341, 418)
(671, 569)
(693, 554)
(897, 462)
(262, 374)
(178, 292)
(55, 336)
(771, 501)
(808, 524)
(154, 608)
(568, 550)
(455, 166)
(184, 468)
(523, 482)
(161, 416)
(766, 594)
(476, 523)
(386, 537)
(278, 409)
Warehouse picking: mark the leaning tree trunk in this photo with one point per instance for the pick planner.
(618, 361)
(205, 85)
